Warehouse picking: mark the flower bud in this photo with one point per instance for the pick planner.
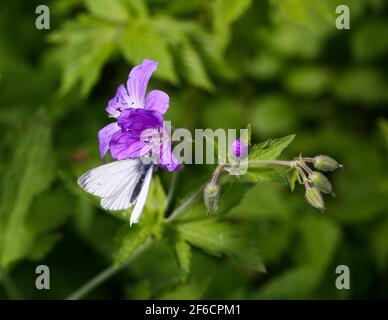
(325, 163)
(321, 182)
(239, 149)
(211, 196)
(314, 197)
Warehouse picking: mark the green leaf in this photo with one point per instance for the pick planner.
(110, 10)
(265, 174)
(185, 291)
(225, 12)
(181, 251)
(29, 173)
(194, 70)
(293, 177)
(151, 224)
(43, 245)
(218, 238)
(139, 40)
(317, 16)
(295, 283)
(366, 47)
(317, 233)
(361, 85)
(87, 45)
(232, 193)
(270, 149)
(379, 245)
(384, 129)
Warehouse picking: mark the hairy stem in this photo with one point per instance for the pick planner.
(274, 162)
(216, 173)
(304, 177)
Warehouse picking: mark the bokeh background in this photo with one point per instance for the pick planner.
(279, 65)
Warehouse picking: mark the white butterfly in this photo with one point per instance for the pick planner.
(120, 185)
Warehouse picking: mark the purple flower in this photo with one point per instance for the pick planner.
(139, 129)
(239, 149)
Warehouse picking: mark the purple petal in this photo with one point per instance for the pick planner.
(138, 80)
(167, 159)
(157, 100)
(119, 102)
(124, 145)
(104, 137)
(138, 120)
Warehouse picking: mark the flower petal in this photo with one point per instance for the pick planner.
(119, 102)
(124, 145)
(157, 100)
(138, 120)
(167, 159)
(138, 80)
(105, 135)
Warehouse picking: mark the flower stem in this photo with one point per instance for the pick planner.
(275, 162)
(178, 211)
(107, 274)
(171, 191)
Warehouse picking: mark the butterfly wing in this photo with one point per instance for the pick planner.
(118, 183)
(143, 186)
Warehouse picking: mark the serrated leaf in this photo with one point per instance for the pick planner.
(181, 251)
(139, 40)
(270, 149)
(218, 238)
(151, 224)
(87, 45)
(193, 67)
(225, 12)
(317, 16)
(110, 10)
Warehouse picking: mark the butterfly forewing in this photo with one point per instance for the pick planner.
(117, 183)
(108, 179)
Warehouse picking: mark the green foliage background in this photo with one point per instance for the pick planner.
(279, 65)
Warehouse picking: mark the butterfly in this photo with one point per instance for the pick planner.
(120, 185)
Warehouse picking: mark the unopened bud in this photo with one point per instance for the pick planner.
(314, 197)
(211, 196)
(321, 182)
(325, 163)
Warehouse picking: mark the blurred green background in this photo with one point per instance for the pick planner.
(280, 66)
